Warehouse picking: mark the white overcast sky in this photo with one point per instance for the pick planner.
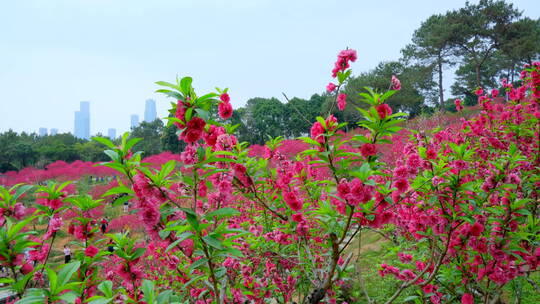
(56, 53)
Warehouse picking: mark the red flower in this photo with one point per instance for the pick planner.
(401, 184)
(431, 154)
(27, 268)
(459, 107)
(396, 84)
(316, 131)
(196, 123)
(368, 149)
(476, 229)
(211, 136)
(55, 203)
(330, 87)
(341, 101)
(292, 201)
(384, 110)
(331, 123)
(343, 189)
(91, 251)
(467, 298)
(180, 114)
(225, 110)
(342, 63)
(194, 130)
(225, 97)
(298, 217)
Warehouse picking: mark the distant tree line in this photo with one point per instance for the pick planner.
(484, 42)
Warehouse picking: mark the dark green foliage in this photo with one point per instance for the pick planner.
(151, 133)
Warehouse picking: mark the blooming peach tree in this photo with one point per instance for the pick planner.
(221, 226)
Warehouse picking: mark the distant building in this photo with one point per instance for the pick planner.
(150, 113)
(111, 133)
(82, 121)
(43, 132)
(134, 120)
(54, 131)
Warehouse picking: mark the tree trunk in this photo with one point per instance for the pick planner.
(513, 72)
(441, 93)
(478, 75)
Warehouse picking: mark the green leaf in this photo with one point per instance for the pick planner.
(138, 253)
(117, 190)
(69, 297)
(167, 84)
(99, 300)
(40, 299)
(130, 143)
(310, 141)
(409, 299)
(53, 280)
(113, 155)
(167, 168)
(148, 291)
(170, 93)
(205, 115)
(106, 288)
(164, 297)
(198, 263)
(185, 85)
(212, 242)
(221, 213)
(21, 190)
(182, 237)
(192, 220)
(105, 141)
(64, 275)
(387, 95)
(17, 227)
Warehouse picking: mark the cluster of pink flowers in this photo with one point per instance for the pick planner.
(355, 192)
(396, 84)
(341, 101)
(225, 109)
(343, 61)
(442, 199)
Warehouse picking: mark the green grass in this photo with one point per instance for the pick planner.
(375, 250)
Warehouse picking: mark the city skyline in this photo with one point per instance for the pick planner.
(115, 61)
(150, 113)
(82, 121)
(134, 118)
(42, 131)
(111, 133)
(84, 131)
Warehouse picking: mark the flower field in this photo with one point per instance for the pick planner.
(441, 209)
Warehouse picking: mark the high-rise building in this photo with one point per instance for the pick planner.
(42, 131)
(150, 113)
(134, 120)
(77, 131)
(111, 133)
(54, 131)
(82, 121)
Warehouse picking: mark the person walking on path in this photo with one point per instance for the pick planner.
(67, 254)
(104, 225)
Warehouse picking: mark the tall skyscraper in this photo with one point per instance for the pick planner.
(54, 131)
(42, 131)
(111, 133)
(134, 120)
(150, 113)
(82, 121)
